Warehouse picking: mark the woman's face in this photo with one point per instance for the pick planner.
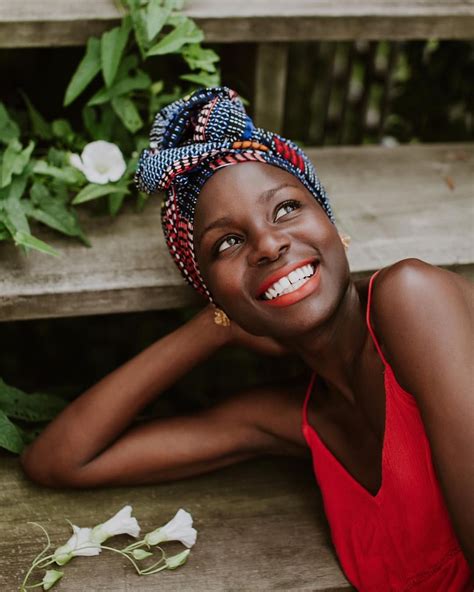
(255, 225)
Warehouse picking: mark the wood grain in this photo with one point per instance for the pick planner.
(394, 203)
(32, 23)
(260, 527)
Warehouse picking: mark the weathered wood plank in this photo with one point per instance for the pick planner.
(260, 527)
(32, 23)
(270, 85)
(393, 202)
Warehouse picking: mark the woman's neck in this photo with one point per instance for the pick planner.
(334, 350)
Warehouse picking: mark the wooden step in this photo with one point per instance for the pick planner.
(31, 23)
(407, 201)
(260, 527)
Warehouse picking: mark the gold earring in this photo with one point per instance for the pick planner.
(345, 240)
(220, 318)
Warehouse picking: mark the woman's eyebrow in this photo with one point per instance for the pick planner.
(266, 195)
(227, 221)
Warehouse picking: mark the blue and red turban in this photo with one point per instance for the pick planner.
(192, 138)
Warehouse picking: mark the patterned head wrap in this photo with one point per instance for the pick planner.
(192, 138)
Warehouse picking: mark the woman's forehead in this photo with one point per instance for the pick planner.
(247, 179)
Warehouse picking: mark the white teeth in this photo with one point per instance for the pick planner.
(294, 276)
(294, 280)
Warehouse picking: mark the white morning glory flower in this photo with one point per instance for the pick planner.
(80, 543)
(121, 523)
(101, 162)
(177, 560)
(178, 528)
(50, 578)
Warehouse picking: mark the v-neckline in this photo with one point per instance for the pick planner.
(372, 496)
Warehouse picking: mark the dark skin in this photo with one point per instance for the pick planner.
(93, 442)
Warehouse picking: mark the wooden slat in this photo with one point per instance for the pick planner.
(394, 202)
(260, 527)
(30, 23)
(270, 85)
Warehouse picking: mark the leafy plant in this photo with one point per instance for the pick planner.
(30, 410)
(37, 180)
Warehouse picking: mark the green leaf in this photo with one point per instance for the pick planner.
(38, 192)
(203, 78)
(115, 201)
(68, 175)
(58, 158)
(112, 46)
(62, 130)
(87, 70)
(28, 240)
(10, 436)
(53, 213)
(4, 234)
(29, 407)
(41, 127)
(15, 160)
(174, 4)
(93, 191)
(139, 23)
(127, 113)
(199, 58)
(9, 129)
(156, 17)
(16, 215)
(140, 554)
(139, 82)
(186, 32)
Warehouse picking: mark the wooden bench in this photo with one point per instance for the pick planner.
(260, 524)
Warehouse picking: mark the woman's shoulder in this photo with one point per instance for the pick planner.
(412, 287)
(417, 308)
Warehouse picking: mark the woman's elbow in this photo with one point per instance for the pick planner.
(46, 471)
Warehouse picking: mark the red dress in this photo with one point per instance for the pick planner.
(400, 539)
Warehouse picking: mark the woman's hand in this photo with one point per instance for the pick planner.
(235, 335)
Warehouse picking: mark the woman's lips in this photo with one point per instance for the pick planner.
(297, 295)
(282, 272)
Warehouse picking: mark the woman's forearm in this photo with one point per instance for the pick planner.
(96, 418)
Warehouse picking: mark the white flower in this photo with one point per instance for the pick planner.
(177, 560)
(80, 543)
(50, 578)
(121, 523)
(100, 161)
(178, 528)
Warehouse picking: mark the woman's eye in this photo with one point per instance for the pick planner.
(228, 242)
(286, 208)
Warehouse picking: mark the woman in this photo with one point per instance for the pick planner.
(388, 413)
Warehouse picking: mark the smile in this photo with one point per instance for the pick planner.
(294, 286)
(289, 283)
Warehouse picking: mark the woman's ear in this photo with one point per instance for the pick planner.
(345, 240)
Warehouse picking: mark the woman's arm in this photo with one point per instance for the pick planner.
(424, 318)
(87, 444)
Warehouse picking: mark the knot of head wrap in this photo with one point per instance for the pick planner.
(192, 138)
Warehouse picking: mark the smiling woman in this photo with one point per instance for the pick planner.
(388, 412)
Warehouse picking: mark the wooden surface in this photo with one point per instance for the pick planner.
(408, 201)
(260, 527)
(29, 23)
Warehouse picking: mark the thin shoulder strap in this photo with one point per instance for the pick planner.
(369, 325)
(308, 395)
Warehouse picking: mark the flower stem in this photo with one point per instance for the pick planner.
(134, 546)
(39, 558)
(123, 555)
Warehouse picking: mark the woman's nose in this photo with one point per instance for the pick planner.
(268, 246)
